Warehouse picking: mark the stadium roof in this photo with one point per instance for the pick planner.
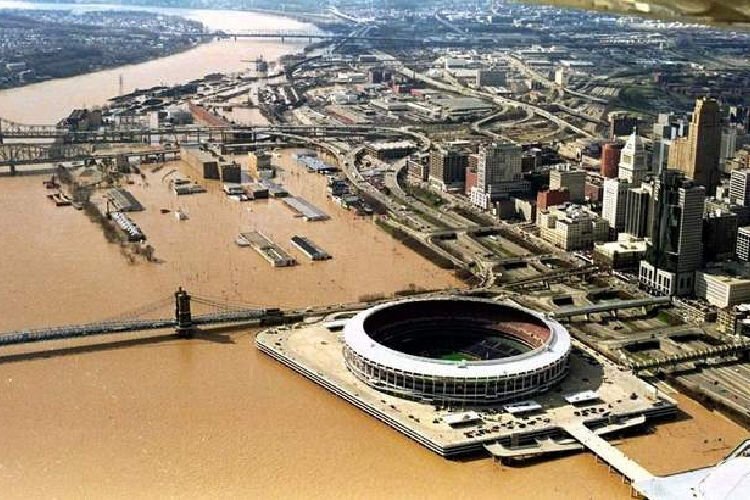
(358, 340)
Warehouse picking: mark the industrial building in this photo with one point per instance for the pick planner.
(204, 164)
(259, 165)
(267, 249)
(390, 150)
(310, 249)
(305, 209)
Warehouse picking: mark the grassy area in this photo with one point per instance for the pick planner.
(416, 245)
(496, 247)
(644, 98)
(424, 195)
(456, 356)
(474, 217)
(637, 98)
(668, 318)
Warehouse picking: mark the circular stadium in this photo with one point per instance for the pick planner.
(456, 350)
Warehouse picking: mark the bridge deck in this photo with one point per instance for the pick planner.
(566, 312)
(614, 457)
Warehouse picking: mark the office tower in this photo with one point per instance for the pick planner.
(499, 162)
(739, 187)
(728, 147)
(720, 235)
(638, 211)
(448, 167)
(667, 128)
(621, 124)
(614, 203)
(498, 173)
(572, 180)
(697, 155)
(633, 165)
(675, 249)
(743, 244)
(610, 159)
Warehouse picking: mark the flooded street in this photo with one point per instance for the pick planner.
(152, 416)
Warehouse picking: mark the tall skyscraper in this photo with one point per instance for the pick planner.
(448, 167)
(498, 173)
(614, 203)
(499, 162)
(633, 162)
(638, 212)
(675, 249)
(610, 159)
(739, 187)
(667, 128)
(697, 155)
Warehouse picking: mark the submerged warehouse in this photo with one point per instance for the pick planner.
(267, 249)
(307, 247)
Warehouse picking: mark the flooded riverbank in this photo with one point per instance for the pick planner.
(50, 101)
(149, 415)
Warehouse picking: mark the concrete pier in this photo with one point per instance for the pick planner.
(315, 352)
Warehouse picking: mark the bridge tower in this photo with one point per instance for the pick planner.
(182, 313)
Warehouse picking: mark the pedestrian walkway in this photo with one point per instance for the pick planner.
(614, 457)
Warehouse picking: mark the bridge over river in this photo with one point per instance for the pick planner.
(22, 144)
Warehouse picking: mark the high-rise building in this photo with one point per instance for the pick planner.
(675, 249)
(697, 155)
(720, 233)
(448, 168)
(743, 244)
(638, 212)
(610, 159)
(621, 123)
(498, 174)
(728, 147)
(614, 203)
(633, 161)
(573, 180)
(499, 162)
(671, 126)
(667, 128)
(739, 187)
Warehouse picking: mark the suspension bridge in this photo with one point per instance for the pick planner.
(184, 321)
